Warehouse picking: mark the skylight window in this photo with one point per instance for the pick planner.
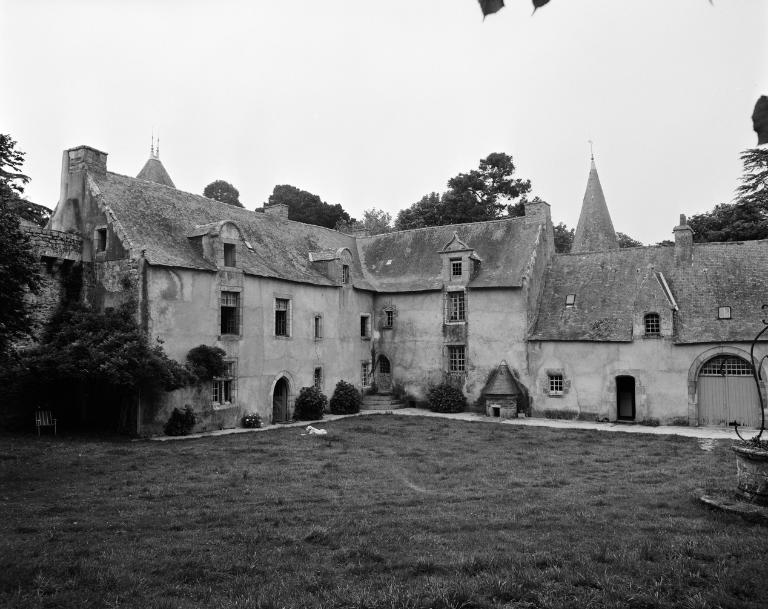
(570, 300)
(724, 312)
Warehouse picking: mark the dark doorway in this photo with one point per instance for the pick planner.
(625, 398)
(384, 375)
(280, 401)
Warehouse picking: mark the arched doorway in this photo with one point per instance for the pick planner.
(625, 398)
(280, 401)
(384, 374)
(727, 392)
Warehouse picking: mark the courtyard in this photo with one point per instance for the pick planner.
(384, 511)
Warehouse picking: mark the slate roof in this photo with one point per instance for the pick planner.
(154, 171)
(612, 286)
(409, 260)
(159, 219)
(594, 232)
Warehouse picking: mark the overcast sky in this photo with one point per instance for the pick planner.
(378, 103)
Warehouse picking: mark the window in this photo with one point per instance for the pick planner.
(344, 273)
(456, 308)
(318, 327)
(726, 366)
(230, 313)
(456, 359)
(365, 326)
(229, 254)
(365, 373)
(384, 366)
(223, 386)
(389, 318)
(555, 384)
(456, 267)
(652, 324)
(317, 378)
(101, 239)
(282, 317)
(570, 300)
(723, 312)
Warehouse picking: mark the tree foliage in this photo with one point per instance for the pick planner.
(18, 266)
(224, 192)
(206, 362)
(747, 217)
(306, 207)
(563, 238)
(489, 192)
(374, 222)
(627, 241)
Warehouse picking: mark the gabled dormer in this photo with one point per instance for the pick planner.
(220, 243)
(460, 262)
(334, 264)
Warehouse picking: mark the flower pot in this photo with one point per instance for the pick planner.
(751, 474)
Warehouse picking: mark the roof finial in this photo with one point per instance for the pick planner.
(152, 144)
(157, 146)
(591, 151)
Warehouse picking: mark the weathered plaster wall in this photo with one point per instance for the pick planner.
(184, 311)
(661, 370)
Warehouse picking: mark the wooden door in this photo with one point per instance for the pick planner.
(280, 402)
(625, 398)
(727, 393)
(384, 375)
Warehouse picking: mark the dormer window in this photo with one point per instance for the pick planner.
(724, 312)
(456, 267)
(652, 324)
(344, 273)
(570, 300)
(230, 256)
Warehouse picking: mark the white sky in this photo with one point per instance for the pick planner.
(378, 103)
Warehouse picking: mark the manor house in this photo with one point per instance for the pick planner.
(648, 334)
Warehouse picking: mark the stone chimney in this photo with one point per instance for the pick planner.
(85, 158)
(683, 242)
(537, 212)
(278, 210)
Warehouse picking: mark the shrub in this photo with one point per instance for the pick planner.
(310, 404)
(252, 420)
(446, 398)
(206, 362)
(181, 422)
(346, 399)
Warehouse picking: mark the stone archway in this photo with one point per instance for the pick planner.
(280, 393)
(383, 374)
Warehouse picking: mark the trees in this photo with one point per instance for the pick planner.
(374, 222)
(747, 217)
(563, 237)
(224, 192)
(485, 193)
(306, 207)
(18, 266)
(627, 241)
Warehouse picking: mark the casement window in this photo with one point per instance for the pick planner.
(317, 327)
(652, 324)
(101, 239)
(365, 326)
(344, 273)
(570, 300)
(555, 384)
(230, 256)
(456, 267)
(223, 387)
(282, 317)
(456, 358)
(724, 312)
(389, 318)
(456, 306)
(365, 374)
(317, 378)
(230, 313)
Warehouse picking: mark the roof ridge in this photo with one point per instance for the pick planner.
(407, 230)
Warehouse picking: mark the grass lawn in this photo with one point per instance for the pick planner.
(385, 511)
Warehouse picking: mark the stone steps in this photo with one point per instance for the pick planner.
(381, 401)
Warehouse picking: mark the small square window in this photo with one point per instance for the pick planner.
(389, 318)
(724, 312)
(365, 326)
(570, 300)
(555, 384)
(344, 273)
(318, 327)
(456, 358)
(652, 324)
(230, 258)
(456, 267)
(101, 240)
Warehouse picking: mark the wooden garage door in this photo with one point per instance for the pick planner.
(727, 393)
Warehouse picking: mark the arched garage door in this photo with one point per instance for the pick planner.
(727, 392)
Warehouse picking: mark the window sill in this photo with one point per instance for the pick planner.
(555, 394)
(282, 337)
(226, 337)
(652, 336)
(224, 406)
(365, 338)
(460, 322)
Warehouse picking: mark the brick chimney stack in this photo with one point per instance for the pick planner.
(683, 242)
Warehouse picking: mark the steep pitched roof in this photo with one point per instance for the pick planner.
(159, 220)
(153, 171)
(611, 287)
(409, 260)
(594, 232)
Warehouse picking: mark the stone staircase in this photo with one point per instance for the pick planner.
(381, 401)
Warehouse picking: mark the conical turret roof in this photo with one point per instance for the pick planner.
(153, 171)
(595, 232)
